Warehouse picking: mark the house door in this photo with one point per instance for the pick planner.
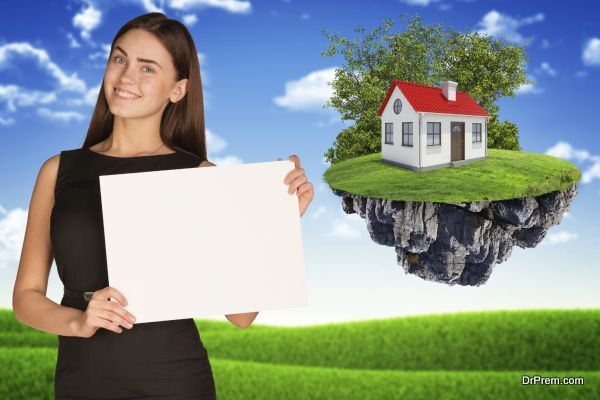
(457, 132)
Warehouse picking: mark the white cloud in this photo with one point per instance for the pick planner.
(304, 16)
(89, 98)
(87, 20)
(12, 233)
(15, 96)
(528, 88)
(204, 73)
(546, 44)
(592, 172)
(445, 7)
(546, 68)
(214, 142)
(102, 55)
(73, 43)
(234, 6)
(347, 227)
(333, 119)
(308, 93)
(63, 116)
(497, 24)
(421, 3)
(190, 19)
(149, 6)
(320, 211)
(322, 186)
(559, 238)
(581, 74)
(566, 151)
(227, 160)
(591, 52)
(6, 121)
(24, 49)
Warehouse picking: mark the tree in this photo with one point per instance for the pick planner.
(485, 67)
(502, 135)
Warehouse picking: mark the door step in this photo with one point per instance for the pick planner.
(459, 162)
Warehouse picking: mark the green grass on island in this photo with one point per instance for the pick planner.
(470, 355)
(504, 175)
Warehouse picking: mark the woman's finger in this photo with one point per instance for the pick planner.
(119, 310)
(295, 159)
(293, 174)
(109, 293)
(115, 318)
(297, 182)
(305, 187)
(103, 323)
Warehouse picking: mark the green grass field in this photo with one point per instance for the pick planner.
(474, 355)
(505, 174)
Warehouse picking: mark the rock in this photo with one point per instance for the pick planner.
(458, 243)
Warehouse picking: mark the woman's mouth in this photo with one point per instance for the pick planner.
(125, 95)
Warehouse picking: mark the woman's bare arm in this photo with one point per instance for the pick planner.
(30, 304)
(243, 320)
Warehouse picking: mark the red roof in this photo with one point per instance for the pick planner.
(425, 98)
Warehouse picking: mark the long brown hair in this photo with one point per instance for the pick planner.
(182, 123)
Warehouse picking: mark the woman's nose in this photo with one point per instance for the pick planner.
(128, 74)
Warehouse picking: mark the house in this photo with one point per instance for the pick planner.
(426, 127)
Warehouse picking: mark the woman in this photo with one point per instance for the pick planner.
(149, 116)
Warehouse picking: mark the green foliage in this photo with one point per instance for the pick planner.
(28, 374)
(359, 139)
(480, 355)
(485, 67)
(502, 135)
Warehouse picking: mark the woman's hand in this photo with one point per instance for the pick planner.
(299, 183)
(103, 313)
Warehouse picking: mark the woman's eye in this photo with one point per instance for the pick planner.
(146, 68)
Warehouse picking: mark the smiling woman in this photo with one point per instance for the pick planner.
(149, 116)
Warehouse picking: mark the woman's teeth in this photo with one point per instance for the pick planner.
(126, 94)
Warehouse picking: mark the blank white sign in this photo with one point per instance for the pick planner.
(197, 242)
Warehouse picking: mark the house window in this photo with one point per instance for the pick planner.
(407, 134)
(434, 136)
(397, 106)
(476, 132)
(389, 133)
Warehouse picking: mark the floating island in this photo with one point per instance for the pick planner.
(453, 225)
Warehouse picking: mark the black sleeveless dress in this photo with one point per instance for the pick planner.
(163, 360)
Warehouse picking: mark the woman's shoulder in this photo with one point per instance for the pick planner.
(53, 169)
(47, 176)
(52, 164)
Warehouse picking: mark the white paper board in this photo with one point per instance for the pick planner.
(196, 242)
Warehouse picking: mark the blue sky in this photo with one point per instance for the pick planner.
(265, 83)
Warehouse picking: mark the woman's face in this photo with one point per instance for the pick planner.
(140, 65)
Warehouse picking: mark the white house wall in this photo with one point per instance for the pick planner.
(440, 154)
(396, 152)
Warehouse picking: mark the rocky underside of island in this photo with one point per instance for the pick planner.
(458, 243)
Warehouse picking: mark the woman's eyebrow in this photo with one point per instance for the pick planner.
(139, 59)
